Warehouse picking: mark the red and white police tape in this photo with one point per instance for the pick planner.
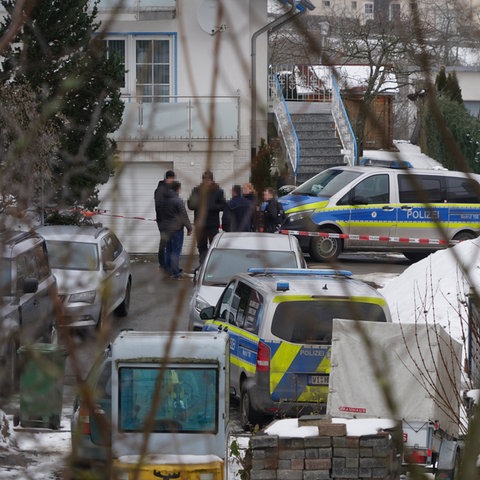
(372, 238)
(301, 233)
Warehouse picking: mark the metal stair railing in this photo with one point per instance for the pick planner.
(285, 125)
(344, 128)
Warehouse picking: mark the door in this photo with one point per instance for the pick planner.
(423, 208)
(238, 312)
(37, 313)
(370, 211)
(113, 254)
(102, 413)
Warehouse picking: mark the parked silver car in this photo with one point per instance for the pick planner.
(93, 272)
(234, 252)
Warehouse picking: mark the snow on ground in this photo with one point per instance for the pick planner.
(437, 289)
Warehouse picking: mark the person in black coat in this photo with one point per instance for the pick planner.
(160, 197)
(207, 200)
(238, 213)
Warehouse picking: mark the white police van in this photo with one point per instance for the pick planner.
(280, 326)
(407, 210)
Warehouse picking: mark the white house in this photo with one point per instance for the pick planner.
(188, 99)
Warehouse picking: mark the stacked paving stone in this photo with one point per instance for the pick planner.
(332, 455)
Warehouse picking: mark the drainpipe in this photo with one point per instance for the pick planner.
(276, 24)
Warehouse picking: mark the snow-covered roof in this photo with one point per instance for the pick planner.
(354, 77)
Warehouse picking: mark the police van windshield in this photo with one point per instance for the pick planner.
(310, 322)
(327, 183)
(187, 402)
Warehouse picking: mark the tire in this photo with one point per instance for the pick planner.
(465, 235)
(54, 422)
(416, 256)
(123, 309)
(249, 417)
(10, 378)
(323, 249)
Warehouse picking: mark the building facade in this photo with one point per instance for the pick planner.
(188, 102)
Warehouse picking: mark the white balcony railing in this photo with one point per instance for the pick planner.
(182, 118)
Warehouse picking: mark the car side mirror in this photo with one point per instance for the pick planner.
(207, 313)
(30, 285)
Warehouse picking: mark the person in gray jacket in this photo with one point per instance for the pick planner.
(175, 218)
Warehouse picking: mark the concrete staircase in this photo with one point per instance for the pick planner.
(320, 147)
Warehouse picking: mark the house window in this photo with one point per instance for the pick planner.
(152, 70)
(394, 11)
(368, 11)
(326, 3)
(116, 47)
(354, 6)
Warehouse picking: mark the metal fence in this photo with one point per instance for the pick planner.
(301, 83)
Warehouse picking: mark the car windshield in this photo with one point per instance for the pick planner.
(327, 183)
(310, 321)
(6, 277)
(187, 402)
(223, 264)
(72, 255)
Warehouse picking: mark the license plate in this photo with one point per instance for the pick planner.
(318, 380)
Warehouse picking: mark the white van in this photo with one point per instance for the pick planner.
(161, 404)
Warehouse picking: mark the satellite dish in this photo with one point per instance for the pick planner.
(207, 12)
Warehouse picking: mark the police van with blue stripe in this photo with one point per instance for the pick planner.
(280, 325)
(407, 210)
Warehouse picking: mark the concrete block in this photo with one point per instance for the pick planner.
(297, 464)
(346, 452)
(289, 454)
(289, 474)
(263, 475)
(318, 463)
(263, 441)
(291, 443)
(316, 475)
(312, 442)
(332, 430)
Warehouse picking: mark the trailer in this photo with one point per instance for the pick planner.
(410, 373)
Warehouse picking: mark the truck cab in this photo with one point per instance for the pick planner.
(167, 410)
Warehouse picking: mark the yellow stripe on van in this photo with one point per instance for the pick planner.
(308, 206)
(248, 367)
(280, 362)
(308, 298)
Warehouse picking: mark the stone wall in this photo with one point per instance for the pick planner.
(330, 455)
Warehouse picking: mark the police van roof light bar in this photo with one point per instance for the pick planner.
(325, 272)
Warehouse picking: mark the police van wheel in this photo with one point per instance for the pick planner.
(416, 256)
(249, 416)
(461, 236)
(324, 249)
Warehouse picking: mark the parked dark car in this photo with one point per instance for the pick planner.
(28, 296)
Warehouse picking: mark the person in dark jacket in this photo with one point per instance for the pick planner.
(248, 191)
(207, 200)
(161, 193)
(273, 214)
(175, 220)
(238, 213)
